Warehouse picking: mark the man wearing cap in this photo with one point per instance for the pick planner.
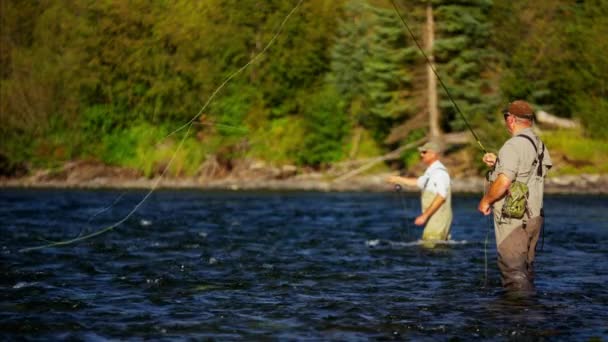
(523, 158)
(436, 194)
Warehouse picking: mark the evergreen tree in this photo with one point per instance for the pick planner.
(386, 77)
(369, 66)
(588, 32)
(465, 60)
(553, 54)
(349, 52)
(530, 46)
(326, 125)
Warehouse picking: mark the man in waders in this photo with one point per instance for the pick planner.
(436, 194)
(516, 189)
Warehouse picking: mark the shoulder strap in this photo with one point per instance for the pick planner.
(530, 140)
(539, 157)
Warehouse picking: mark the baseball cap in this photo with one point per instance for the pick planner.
(430, 146)
(519, 108)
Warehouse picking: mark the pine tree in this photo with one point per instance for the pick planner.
(385, 75)
(464, 59)
(350, 51)
(553, 54)
(369, 66)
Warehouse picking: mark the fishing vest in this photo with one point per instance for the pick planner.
(516, 200)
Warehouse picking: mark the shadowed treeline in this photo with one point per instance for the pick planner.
(109, 80)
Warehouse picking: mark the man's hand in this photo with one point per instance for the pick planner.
(489, 159)
(393, 179)
(421, 220)
(496, 191)
(430, 211)
(484, 207)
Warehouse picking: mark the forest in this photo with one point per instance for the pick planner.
(135, 83)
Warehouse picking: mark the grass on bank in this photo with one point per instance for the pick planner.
(574, 153)
(148, 149)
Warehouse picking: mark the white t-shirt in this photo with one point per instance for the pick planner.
(435, 179)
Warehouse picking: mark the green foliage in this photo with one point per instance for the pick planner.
(149, 149)
(368, 66)
(576, 147)
(367, 146)
(280, 141)
(593, 112)
(230, 111)
(531, 62)
(350, 51)
(590, 101)
(326, 128)
(110, 79)
(99, 120)
(464, 60)
(411, 156)
(385, 76)
(152, 159)
(560, 68)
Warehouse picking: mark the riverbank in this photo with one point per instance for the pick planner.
(97, 176)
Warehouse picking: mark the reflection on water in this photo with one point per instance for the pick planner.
(290, 266)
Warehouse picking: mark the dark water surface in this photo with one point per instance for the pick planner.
(287, 266)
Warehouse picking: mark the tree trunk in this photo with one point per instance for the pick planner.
(396, 154)
(356, 140)
(434, 129)
(551, 120)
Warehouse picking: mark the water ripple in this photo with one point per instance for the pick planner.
(287, 266)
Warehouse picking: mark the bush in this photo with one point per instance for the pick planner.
(326, 126)
(149, 149)
(593, 113)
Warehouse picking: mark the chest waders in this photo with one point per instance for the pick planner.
(438, 225)
(517, 231)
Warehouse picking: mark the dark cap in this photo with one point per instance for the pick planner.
(521, 109)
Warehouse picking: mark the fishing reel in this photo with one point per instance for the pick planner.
(398, 188)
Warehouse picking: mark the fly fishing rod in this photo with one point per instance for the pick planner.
(439, 78)
(445, 88)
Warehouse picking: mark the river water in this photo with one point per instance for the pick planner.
(287, 266)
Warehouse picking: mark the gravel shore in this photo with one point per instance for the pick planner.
(571, 184)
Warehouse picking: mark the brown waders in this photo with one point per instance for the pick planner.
(523, 158)
(516, 254)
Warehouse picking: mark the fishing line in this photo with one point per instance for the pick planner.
(406, 209)
(485, 252)
(187, 125)
(99, 212)
(116, 224)
(398, 190)
(485, 245)
(439, 78)
(276, 35)
(445, 88)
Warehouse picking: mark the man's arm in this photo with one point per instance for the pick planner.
(497, 190)
(435, 205)
(408, 181)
